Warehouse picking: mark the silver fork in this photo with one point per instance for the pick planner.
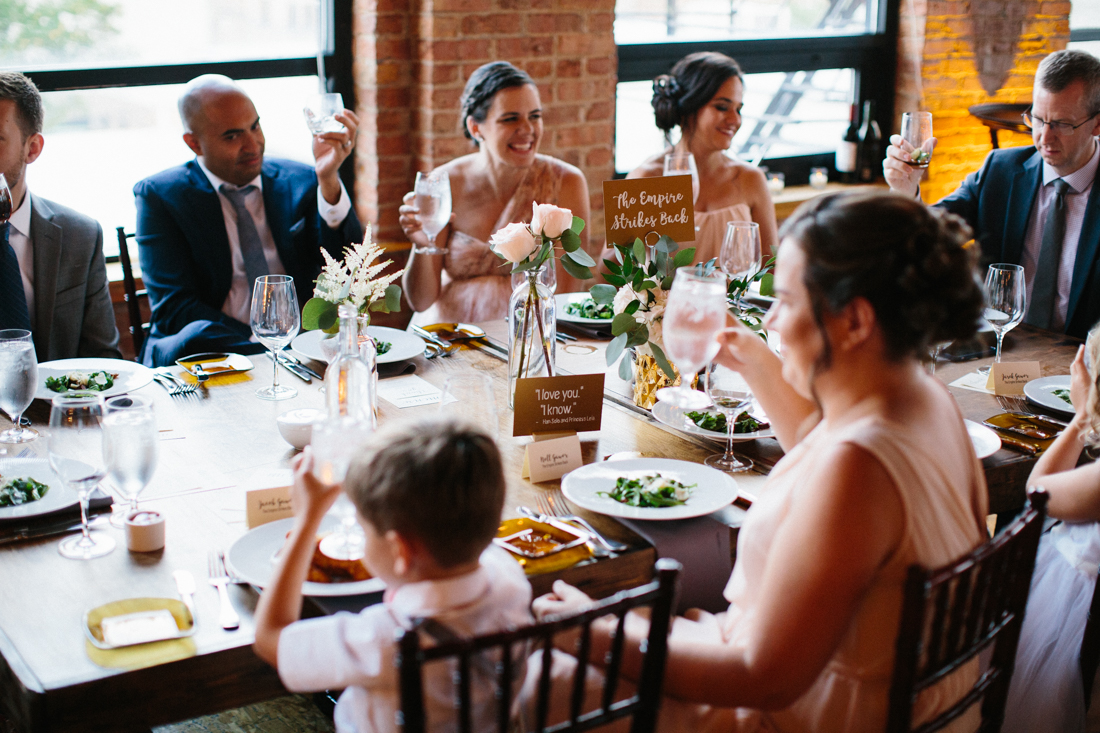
(219, 578)
(555, 505)
(184, 386)
(168, 384)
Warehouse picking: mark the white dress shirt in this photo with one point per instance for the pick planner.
(1081, 182)
(19, 237)
(239, 300)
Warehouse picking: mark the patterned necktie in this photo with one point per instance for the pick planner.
(1044, 290)
(13, 300)
(252, 249)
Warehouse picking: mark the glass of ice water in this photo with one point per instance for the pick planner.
(320, 112)
(18, 381)
(129, 448)
(433, 205)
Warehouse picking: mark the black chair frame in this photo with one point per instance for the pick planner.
(131, 293)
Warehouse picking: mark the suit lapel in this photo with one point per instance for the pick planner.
(46, 244)
(1021, 197)
(279, 208)
(1086, 249)
(211, 246)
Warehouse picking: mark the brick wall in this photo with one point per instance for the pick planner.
(937, 37)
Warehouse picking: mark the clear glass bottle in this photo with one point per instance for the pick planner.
(350, 379)
(532, 328)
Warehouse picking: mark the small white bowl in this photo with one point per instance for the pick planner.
(296, 426)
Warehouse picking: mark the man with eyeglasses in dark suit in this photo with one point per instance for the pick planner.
(1038, 206)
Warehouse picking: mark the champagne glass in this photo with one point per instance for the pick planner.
(433, 204)
(916, 130)
(335, 443)
(732, 396)
(1005, 301)
(683, 164)
(275, 321)
(320, 112)
(76, 455)
(470, 397)
(130, 441)
(740, 253)
(695, 313)
(18, 381)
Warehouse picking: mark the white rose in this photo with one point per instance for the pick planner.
(622, 299)
(514, 242)
(550, 220)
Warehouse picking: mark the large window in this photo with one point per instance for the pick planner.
(805, 61)
(111, 71)
(1084, 27)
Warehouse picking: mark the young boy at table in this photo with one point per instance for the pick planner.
(429, 497)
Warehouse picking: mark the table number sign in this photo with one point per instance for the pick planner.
(1009, 377)
(558, 404)
(633, 208)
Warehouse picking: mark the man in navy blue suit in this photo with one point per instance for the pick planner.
(207, 229)
(1039, 206)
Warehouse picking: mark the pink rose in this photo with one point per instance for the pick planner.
(550, 220)
(513, 242)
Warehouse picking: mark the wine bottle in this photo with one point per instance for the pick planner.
(846, 151)
(870, 145)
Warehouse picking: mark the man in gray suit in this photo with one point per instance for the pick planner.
(49, 253)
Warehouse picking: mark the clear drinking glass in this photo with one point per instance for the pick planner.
(683, 164)
(18, 382)
(731, 396)
(275, 320)
(916, 131)
(694, 314)
(1005, 301)
(473, 401)
(320, 112)
(76, 455)
(433, 204)
(335, 443)
(740, 254)
(130, 442)
(934, 351)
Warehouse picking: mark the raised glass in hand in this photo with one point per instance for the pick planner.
(320, 112)
(275, 321)
(130, 441)
(335, 443)
(695, 313)
(433, 206)
(731, 396)
(683, 164)
(18, 381)
(5, 200)
(470, 397)
(740, 254)
(75, 449)
(916, 131)
(1005, 301)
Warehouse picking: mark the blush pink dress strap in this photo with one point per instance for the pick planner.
(477, 283)
(710, 229)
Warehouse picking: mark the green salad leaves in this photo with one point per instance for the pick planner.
(588, 308)
(649, 491)
(20, 491)
(92, 381)
(716, 422)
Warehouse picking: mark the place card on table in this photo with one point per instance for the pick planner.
(551, 456)
(267, 505)
(409, 391)
(973, 381)
(637, 206)
(558, 404)
(1009, 377)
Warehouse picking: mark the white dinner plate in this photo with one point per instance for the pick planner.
(713, 489)
(60, 496)
(404, 345)
(674, 417)
(131, 376)
(985, 441)
(252, 558)
(562, 300)
(1041, 392)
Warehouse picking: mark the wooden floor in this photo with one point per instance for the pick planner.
(291, 714)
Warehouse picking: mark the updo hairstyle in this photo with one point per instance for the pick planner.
(907, 260)
(692, 83)
(483, 85)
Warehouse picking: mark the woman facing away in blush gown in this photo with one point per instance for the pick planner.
(879, 474)
(702, 95)
(491, 188)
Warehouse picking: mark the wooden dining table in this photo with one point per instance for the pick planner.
(222, 440)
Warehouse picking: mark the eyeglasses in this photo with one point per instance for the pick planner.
(1062, 128)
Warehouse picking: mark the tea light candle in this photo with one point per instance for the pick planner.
(819, 177)
(775, 182)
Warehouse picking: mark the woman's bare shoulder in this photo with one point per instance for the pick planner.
(651, 168)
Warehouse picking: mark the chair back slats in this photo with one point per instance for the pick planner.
(462, 685)
(410, 718)
(504, 690)
(1090, 645)
(542, 706)
(952, 614)
(580, 674)
(130, 291)
(613, 662)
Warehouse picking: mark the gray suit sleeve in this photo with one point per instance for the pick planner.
(99, 334)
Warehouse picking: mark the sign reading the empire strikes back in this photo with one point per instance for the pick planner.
(635, 207)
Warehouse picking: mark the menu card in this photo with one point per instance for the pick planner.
(409, 391)
(635, 207)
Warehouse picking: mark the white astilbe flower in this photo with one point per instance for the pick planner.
(353, 280)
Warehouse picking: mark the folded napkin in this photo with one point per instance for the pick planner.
(395, 369)
(586, 331)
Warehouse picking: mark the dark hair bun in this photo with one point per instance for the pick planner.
(666, 102)
(689, 86)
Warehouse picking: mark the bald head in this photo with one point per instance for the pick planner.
(202, 91)
(221, 126)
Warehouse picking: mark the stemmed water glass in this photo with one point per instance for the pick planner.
(335, 443)
(433, 206)
(275, 321)
(18, 381)
(740, 254)
(76, 455)
(470, 397)
(694, 314)
(731, 395)
(1005, 301)
(130, 442)
(683, 164)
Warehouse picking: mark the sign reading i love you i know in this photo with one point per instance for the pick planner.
(558, 404)
(633, 208)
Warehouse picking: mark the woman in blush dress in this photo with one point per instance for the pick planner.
(494, 187)
(702, 95)
(879, 474)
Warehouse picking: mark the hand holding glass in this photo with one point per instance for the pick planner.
(320, 112)
(76, 455)
(1005, 301)
(433, 205)
(335, 443)
(130, 442)
(695, 313)
(275, 320)
(732, 396)
(916, 131)
(18, 382)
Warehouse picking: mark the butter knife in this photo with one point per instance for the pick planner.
(291, 368)
(185, 586)
(301, 364)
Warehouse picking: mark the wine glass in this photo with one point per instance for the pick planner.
(335, 443)
(76, 455)
(1005, 301)
(916, 130)
(433, 204)
(732, 396)
(130, 441)
(320, 112)
(18, 382)
(473, 401)
(694, 314)
(683, 164)
(740, 253)
(275, 321)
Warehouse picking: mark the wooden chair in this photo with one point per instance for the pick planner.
(138, 329)
(642, 707)
(1090, 646)
(952, 614)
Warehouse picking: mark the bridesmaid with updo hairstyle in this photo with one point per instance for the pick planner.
(702, 96)
(490, 188)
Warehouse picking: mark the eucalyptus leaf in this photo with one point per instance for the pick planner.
(578, 271)
(623, 323)
(577, 226)
(683, 257)
(602, 294)
(626, 370)
(639, 250)
(570, 242)
(666, 284)
(662, 361)
(638, 336)
(615, 348)
(581, 258)
(767, 284)
(661, 261)
(615, 280)
(525, 266)
(393, 298)
(647, 284)
(318, 313)
(632, 307)
(613, 266)
(669, 243)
